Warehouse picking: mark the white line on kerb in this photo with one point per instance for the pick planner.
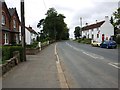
(112, 64)
(55, 49)
(61, 76)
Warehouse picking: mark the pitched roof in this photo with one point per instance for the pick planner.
(4, 5)
(31, 30)
(92, 26)
(12, 11)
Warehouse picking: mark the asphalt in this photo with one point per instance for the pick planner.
(88, 67)
(39, 71)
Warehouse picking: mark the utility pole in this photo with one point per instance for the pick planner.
(80, 26)
(23, 30)
(119, 13)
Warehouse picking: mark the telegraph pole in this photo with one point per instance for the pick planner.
(23, 30)
(80, 26)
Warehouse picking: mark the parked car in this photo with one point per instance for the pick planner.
(108, 44)
(95, 43)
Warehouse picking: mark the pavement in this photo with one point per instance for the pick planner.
(39, 71)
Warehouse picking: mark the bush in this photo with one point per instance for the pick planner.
(118, 39)
(7, 52)
(34, 45)
(84, 40)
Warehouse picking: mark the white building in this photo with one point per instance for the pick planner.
(30, 35)
(99, 30)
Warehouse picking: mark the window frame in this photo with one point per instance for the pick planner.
(3, 19)
(14, 24)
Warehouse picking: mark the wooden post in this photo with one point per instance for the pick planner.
(23, 30)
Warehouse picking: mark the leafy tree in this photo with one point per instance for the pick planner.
(115, 20)
(77, 33)
(54, 26)
(41, 22)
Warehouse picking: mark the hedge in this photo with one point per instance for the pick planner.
(84, 40)
(7, 52)
(33, 45)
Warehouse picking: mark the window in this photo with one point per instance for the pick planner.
(14, 24)
(3, 20)
(97, 35)
(92, 36)
(6, 37)
(17, 40)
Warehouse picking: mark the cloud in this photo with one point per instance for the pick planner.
(89, 10)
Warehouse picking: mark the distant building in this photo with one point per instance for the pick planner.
(30, 35)
(99, 30)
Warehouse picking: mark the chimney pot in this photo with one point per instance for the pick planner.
(86, 23)
(106, 19)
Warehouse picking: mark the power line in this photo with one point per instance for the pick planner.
(44, 4)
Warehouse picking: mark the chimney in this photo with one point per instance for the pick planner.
(86, 24)
(106, 19)
(30, 27)
(96, 21)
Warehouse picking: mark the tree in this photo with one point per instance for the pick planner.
(41, 22)
(77, 33)
(54, 26)
(115, 20)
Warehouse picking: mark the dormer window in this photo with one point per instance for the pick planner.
(14, 24)
(3, 19)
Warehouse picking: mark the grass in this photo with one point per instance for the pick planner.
(83, 40)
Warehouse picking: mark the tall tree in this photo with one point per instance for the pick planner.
(41, 22)
(116, 20)
(53, 25)
(77, 33)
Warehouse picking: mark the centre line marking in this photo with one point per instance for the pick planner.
(95, 56)
(112, 64)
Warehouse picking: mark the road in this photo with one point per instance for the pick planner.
(85, 66)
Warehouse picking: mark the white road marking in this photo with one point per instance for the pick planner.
(114, 65)
(95, 56)
(55, 49)
(61, 76)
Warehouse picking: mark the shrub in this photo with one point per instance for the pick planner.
(118, 39)
(84, 40)
(7, 52)
(33, 45)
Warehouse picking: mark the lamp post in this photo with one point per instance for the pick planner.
(23, 30)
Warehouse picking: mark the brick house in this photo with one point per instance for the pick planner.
(14, 25)
(10, 25)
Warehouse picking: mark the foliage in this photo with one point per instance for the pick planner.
(118, 39)
(7, 52)
(54, 27)
(33, 45)
(84, 40)
(77, 33)
(115, 20)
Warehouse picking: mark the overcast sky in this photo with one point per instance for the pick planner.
(89, 10)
